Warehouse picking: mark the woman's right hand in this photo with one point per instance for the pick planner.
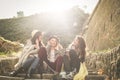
(37, 44)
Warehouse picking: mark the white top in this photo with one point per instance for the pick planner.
(52, 56)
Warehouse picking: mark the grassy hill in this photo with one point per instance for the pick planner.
(66, 25)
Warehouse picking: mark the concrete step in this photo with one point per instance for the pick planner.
(10, 78)
(17, 78)
(34, 76)
(37, 79)
(96, 77)
(92, 73)
(38, 76)
(50, 76)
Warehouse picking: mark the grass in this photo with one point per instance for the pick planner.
(3, 54)
(101, 51)
(12, 54)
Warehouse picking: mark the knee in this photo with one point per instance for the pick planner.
(59, 58)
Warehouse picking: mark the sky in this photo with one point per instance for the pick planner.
(9, 8)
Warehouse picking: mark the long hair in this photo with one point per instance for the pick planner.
(81, 45)
(58, 45)
(36, 36)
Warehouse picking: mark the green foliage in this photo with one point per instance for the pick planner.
(19, 29)
(7, 46)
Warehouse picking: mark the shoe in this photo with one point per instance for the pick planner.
(63, 75)
(13, 74)
(74, 71)
(28, 76)
(70, 75)
(30, 72)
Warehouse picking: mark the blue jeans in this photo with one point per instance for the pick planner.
(28, 63)
(34, 65)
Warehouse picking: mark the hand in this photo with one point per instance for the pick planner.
(37, 44)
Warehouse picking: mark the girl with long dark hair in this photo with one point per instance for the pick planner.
(75, 54)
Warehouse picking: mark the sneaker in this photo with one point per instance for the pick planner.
(70, 75)
(13, 74)
(63, 75)
(28, 76)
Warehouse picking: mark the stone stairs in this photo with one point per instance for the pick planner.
(91, 76)
(21, 76)
(6, 65)
(96, 77)
(38, 76)
(10, 78)
(17, 78)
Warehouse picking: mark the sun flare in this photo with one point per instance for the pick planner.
(55, 6)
